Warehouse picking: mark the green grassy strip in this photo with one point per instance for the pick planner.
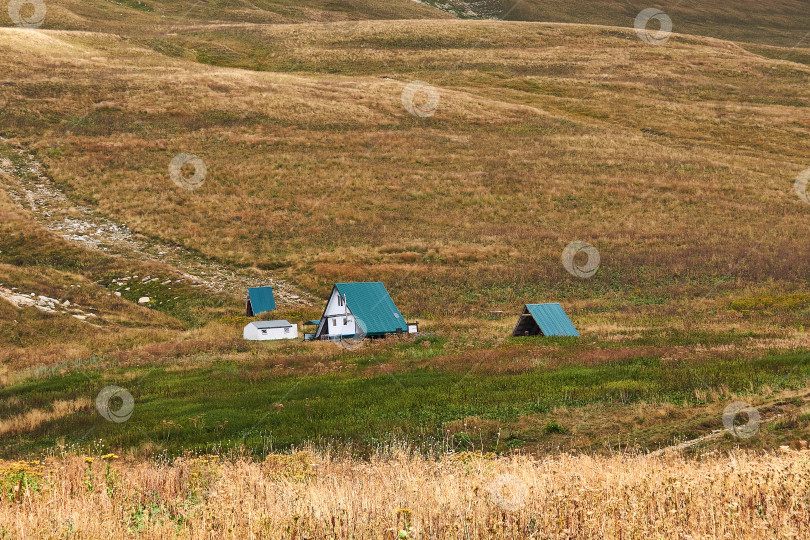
(226, 406)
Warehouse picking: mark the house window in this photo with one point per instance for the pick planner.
(345, 321)
(287, 330)
(334, 322)
(340, 300)
(264, 331)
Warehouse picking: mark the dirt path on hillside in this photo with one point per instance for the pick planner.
(29, 186)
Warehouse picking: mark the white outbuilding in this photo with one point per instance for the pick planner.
(263, 330)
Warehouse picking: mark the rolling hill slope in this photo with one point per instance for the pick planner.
(774, 22)
(148, 17)
(306, 169)
(676, 162)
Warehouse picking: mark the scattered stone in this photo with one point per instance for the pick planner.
(144, 300)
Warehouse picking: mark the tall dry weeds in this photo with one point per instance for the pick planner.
(402, 495)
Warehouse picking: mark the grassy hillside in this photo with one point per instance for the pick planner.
(399, 393)
(774, 22)
(676, 162)
(147, 17)
(545, 138)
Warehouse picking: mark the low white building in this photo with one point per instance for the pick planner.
(263, 330)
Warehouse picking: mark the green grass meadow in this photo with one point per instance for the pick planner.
(228, 406)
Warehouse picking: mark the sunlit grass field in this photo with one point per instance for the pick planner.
(495, 401)
(324, 177)
(677, 162)
(398, 494)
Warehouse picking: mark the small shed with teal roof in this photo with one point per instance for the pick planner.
(259, 300)
(544, 320)
(364, 309)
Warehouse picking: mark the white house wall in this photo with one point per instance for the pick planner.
(332, 307)
(261, 334)
(335, 315)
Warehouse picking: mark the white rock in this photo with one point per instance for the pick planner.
(144, 300)
(117, 293)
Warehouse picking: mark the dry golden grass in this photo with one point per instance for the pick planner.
(544, 134)
(139, 17)
(676, 161)
(400, 495)
(777, 21)
(33, 419)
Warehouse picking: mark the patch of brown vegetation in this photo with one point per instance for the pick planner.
(398, 494)
(31, 420)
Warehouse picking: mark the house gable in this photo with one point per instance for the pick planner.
(337, 318)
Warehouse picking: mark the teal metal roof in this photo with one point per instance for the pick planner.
(313, 322)
(261, 299)
(552, 319)
(372, 306)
